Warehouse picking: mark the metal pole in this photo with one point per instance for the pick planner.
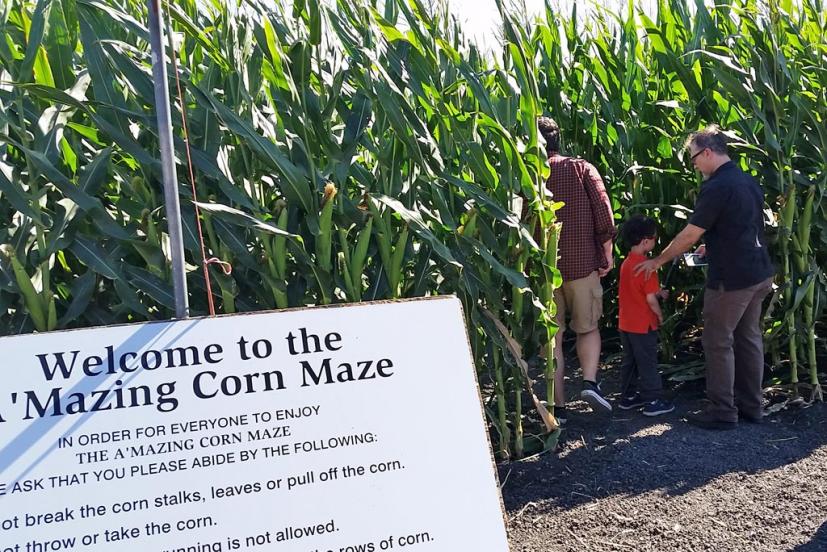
(173, 209)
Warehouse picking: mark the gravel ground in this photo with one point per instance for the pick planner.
(636, 483)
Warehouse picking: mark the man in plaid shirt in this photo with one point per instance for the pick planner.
(585, 257)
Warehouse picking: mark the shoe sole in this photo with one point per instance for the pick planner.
(631, 407)
(596, 402)
(659, 412)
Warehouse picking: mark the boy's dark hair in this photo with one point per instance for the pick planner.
(551, 132)
(712, 137)
(638, 228)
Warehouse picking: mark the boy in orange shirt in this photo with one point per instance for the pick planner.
(639, 319)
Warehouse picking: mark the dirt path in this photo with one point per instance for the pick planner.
(633, 483)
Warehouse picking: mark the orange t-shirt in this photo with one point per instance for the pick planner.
(634, 315)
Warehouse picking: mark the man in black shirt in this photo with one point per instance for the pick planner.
(729, 214)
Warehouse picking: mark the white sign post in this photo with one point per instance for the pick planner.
(344, 429)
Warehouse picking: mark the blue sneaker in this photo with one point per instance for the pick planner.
(658, 407)
(631, 402)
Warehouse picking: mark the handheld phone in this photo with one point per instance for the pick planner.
(694, 259)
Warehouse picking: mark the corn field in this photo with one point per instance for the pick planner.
(366, 151)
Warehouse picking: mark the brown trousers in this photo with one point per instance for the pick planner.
(734, 350)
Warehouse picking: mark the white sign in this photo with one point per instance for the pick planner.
(345, 429)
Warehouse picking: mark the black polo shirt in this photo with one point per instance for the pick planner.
(730, 209)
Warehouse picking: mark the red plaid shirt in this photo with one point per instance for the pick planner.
(587, 217)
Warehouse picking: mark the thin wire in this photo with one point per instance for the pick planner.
(205, 262)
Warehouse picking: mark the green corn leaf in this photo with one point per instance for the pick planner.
(129, 299)
(297, 185)
(82, 290)
(208, 167)
(70, 190)
(240, 218)
(60, 45)
(94, 175)
(103, 84)
(43, 70)
(151, 253)
(18, 198)
(199, 34)
(315, 22)
(279, 76)
(357, 121)
(95, 257)
(66, 209)
(152, 285)
(415, 222)
(37, 31)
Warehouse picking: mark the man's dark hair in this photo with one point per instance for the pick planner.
(712, 137)
(551, 132)
(638, 228)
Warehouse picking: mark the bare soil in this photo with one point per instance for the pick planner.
(629, 482)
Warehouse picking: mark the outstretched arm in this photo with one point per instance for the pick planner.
(685, 239)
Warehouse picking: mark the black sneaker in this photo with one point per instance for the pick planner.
(658, 407)
(592, 395)
(631, 402)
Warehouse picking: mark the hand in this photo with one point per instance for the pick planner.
(603, 271)
(649, 267)
(701, 250)
(659, 315)
(663, 294)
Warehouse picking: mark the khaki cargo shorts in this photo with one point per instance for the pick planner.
(582, 301)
